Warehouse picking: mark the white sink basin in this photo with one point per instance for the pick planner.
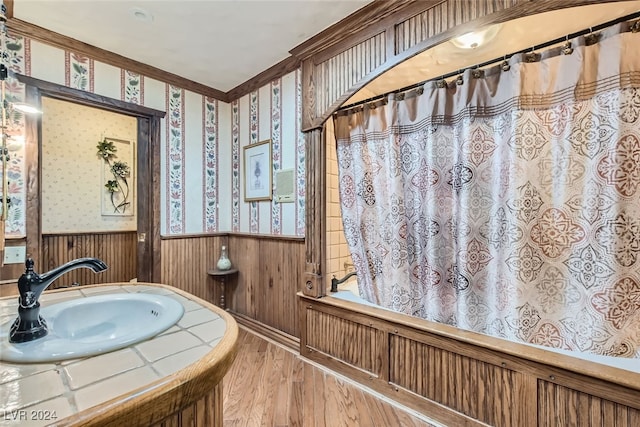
(94, 325)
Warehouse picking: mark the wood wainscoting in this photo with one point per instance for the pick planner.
(263, 294)
(463, 378)
(117, 249)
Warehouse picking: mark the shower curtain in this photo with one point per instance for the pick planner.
(508, 204)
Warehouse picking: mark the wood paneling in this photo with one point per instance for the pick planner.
(338, 74)
(464, 384)
(462, 378)
(117, 250)
(564, 406)
(205, 412)
(270, 271)
(360, 23)
(443, 17)
(185, 263)
(315, 207)
(348, 341)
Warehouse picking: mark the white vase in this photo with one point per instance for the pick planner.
(223, 263)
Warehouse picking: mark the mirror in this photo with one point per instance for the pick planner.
(86, 208)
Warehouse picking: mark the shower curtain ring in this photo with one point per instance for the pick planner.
(532, 56)
(505, 64)
(567, 49)
(591, 38)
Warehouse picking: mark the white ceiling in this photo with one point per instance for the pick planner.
(223, 43)
(218, 43)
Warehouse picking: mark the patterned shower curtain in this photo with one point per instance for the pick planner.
(508, 204)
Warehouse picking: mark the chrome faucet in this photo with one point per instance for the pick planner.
(29, 325)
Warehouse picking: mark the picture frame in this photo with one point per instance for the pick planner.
(257, 171)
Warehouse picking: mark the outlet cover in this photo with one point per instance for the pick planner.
(15, 254)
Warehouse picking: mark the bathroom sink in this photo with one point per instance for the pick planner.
(94, 325)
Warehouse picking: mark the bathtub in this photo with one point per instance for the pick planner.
(348, 291)
(458, 377)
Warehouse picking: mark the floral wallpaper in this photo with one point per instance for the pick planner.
(18, 49)
(175, 161)
(253, 138)
(210, 167)
(235, 165)
(201, 139)
(132, 87)
(276, 151)
(72, 181)
(79, 72)
(272, 112)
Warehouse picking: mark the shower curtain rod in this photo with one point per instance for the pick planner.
(589, 30)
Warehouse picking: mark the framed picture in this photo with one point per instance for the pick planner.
(257, 171)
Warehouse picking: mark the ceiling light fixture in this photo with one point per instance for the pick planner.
(476, 39)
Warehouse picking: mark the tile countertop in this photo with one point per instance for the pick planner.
(42, 394)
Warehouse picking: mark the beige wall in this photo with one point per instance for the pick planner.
(337, 250)
(72, 178)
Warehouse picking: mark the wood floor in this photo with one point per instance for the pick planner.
(271, 386)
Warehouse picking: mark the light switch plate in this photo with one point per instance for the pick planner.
(15, 254)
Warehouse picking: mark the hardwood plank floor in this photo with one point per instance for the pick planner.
(269, 385)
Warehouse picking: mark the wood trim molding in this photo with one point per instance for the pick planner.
(233, 234)
(273, 334)
(64, 93)
(360, 22)
(153, 252)
(315, 214)
(34, 32)
(267, 236)
(192, 236)
(377, 26)
(89, 233)
(9, 5)
(278, 70)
